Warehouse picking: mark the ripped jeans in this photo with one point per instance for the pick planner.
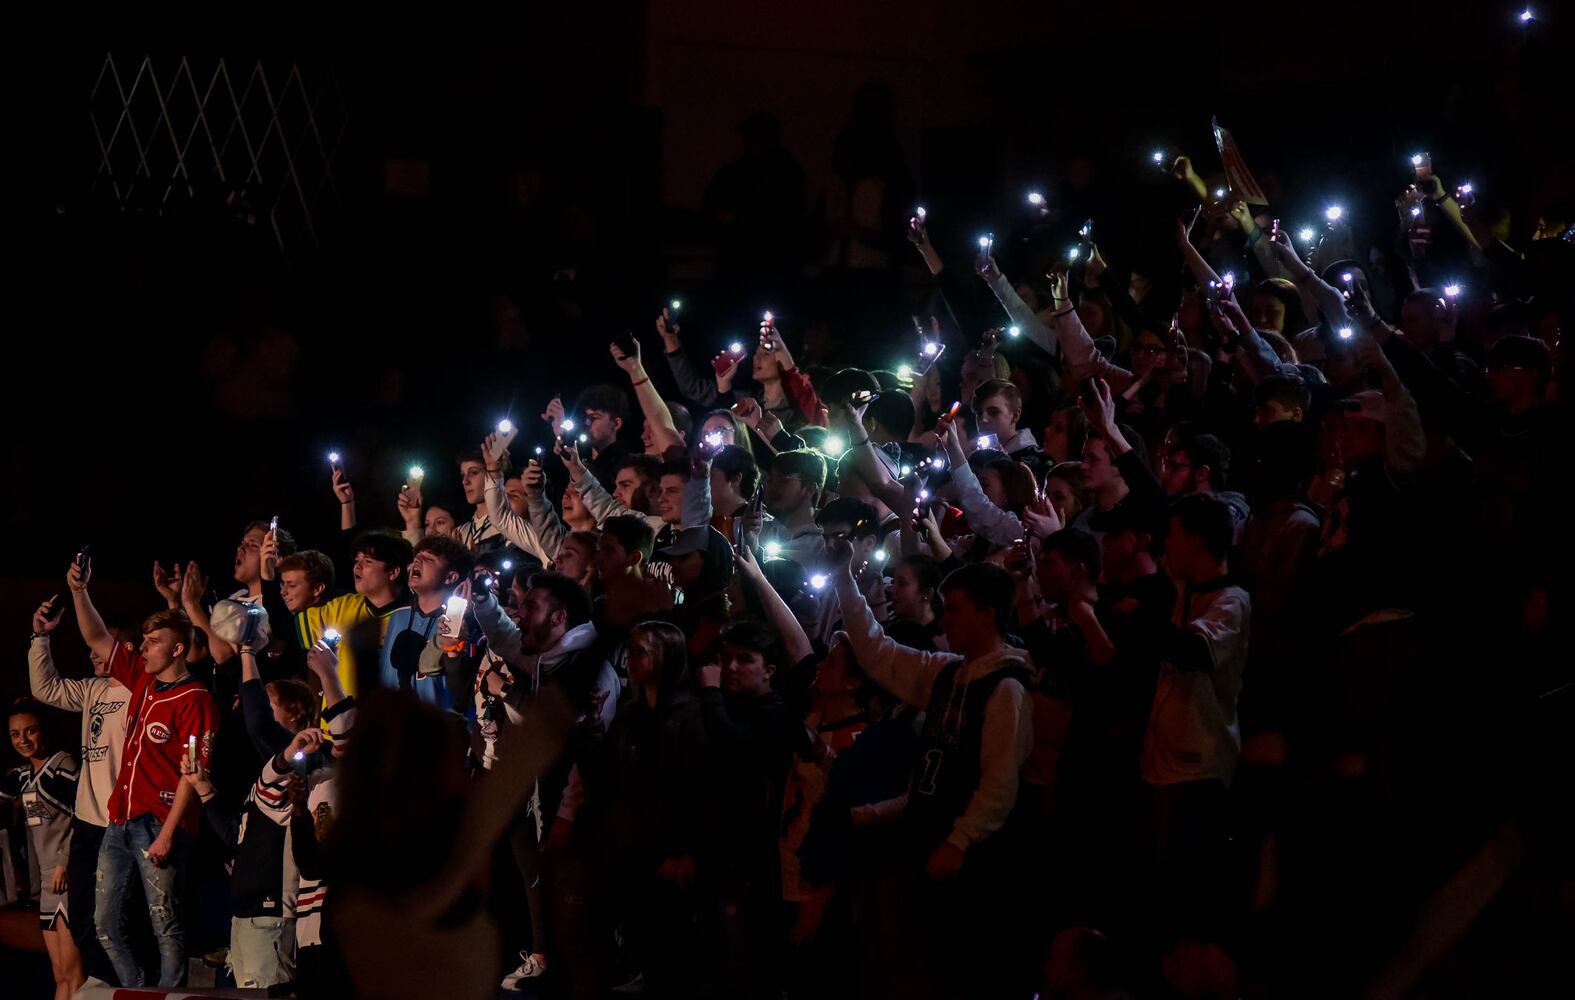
(119, 856)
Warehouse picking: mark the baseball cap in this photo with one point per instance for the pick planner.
(229, 623)
(701, 538)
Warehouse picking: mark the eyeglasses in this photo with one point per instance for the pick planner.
(781, 477)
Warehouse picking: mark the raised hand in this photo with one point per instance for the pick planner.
(1101, 410)
(710, 675)
(308, 740)
(269, 558)
(77, 577)
(47, 616)
(748, 410)
(839, 554)
(410, 504)
(726, 368)
(343, 491)
(630, 363)
(667, 329)
(918, 232)
(554, 412)
(985, 264)
(1042, 518)
(323, 659)
(533, 477)
(193, 585)
(569, 453)
(167, 583)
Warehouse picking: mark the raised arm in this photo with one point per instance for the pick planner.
(42, 676)
(778, 614)
(664, 433)
(510, 525)
(693, 385)
(92, 627)
(999, 527)
(1078, 352)
(907, 673)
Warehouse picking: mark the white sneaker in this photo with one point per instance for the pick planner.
(529, 969)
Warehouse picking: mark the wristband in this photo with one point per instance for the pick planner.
(1061, 312)
(641, 382)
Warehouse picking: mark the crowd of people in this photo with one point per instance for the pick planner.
(1096, 646)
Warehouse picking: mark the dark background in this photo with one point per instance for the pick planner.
(177, 370)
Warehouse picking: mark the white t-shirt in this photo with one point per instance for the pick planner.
(102, 702)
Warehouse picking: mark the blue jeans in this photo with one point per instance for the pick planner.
(119, 856)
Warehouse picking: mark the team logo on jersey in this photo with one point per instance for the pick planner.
(158, 732)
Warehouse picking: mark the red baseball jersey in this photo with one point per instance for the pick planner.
(159, 721)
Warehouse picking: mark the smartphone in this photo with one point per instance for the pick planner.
(727, 359)
(929, 353)
(988, 442)
(1017, 558)
(768, 330)
(273, 525)
(626, 344)
(334, 464)
(1085, 240)
(191, 751)
(331, 638)
(454, 618)
(500, 443)
(1088, 390)
(1422, 163)
(862, 397)
(82, 558)
(1274, 231)
(299, 758)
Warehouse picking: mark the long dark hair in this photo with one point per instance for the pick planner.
(669, 658)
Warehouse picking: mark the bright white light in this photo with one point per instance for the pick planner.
(905, 371)
(1085, 229)
(735, 348)
(1451, 290)
(1333, 213)
(1345, 276)
(1229, 277)
(1525, 15)
(416, 472)
(565, 425)
(1306, 235)
(1219, 193)
(1073, 254)
(333, 457)
(919, 213)
(1345, 333)
(905, 470)
(508, 564)
(300, 755)
(1014, 331)
(773, 550)
(1416, 211)
(1416, 159)
(924, 494)
(330, 635)
(767, 317)
(714, 439)
(818, 581)
(984, 243)
(932, 348)
(505, 427)
(833, 447)
(1464, 188)
(675, 305)
(538, 449)
(584, 438)
(1036, 199)
(880, 555)
(983, 442)
(938, 462)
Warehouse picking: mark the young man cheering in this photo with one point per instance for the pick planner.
(152, 812)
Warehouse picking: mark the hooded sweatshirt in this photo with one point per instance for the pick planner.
(574, 662)
(910, 674)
